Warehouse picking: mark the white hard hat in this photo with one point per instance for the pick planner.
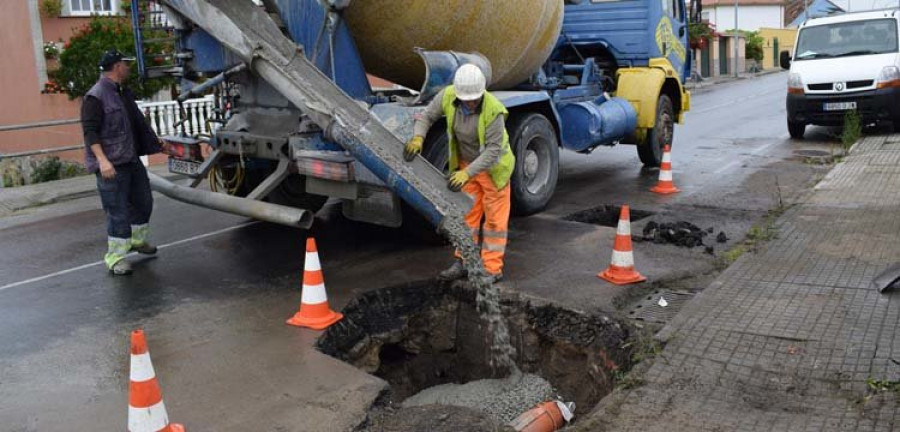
(469, 82)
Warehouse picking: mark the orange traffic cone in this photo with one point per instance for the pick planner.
(621, 269)
(146, 410)
(314, 310)
(665, 185)
(545, 417)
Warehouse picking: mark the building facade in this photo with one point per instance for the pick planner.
(752, 14)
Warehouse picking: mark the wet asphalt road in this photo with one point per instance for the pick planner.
(223, 285)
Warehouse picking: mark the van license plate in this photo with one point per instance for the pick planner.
(183, 167)
(840, 106)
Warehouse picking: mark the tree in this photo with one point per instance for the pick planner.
(754, 49)
(78, 69)
(699, 33)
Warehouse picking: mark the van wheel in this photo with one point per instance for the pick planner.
(796, 129)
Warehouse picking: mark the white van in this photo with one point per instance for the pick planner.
(843, 63)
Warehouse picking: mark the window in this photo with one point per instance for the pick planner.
(677, 10)
(847, 39)
(91, 7)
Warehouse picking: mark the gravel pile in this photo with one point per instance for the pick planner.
(501, 399)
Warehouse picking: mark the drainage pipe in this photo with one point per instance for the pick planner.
(259, 210)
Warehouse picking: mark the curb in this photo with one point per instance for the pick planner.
(710, 82)
(16, 199)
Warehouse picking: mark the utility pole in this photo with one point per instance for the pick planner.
(734, 40)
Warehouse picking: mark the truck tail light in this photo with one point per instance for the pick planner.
(184, 148)
(889, 77)
(325, 169)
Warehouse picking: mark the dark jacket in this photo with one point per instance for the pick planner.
(111, 117)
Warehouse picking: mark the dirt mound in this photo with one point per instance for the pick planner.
(680, 233)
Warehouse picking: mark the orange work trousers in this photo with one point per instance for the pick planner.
(492, 207)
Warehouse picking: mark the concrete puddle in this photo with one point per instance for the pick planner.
(428, 342)
(606, 215)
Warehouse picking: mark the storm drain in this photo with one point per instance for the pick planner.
(661, 306)
(815, 156)
(606, 215)
(428, 342)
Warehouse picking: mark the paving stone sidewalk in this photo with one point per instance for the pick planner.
(788, 338)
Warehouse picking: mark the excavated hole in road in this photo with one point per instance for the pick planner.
(606, 215)
(424, 335)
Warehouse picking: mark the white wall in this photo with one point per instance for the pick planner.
(750, 18)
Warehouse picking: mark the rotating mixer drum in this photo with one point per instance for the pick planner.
(516, 36)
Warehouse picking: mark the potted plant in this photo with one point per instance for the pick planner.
(51, 8)
(51, 50)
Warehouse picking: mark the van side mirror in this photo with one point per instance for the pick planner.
(785, 60)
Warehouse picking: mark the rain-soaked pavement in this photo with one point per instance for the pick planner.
(214, 301)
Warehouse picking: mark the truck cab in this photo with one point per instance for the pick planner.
(842, 64)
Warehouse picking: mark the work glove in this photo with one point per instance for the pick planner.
(413, 147)
(458, 180)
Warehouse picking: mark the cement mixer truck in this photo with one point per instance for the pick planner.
(297, 121)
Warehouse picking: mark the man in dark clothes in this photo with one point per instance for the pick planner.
(116, 135)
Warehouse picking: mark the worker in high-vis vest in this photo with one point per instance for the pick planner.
(481, 162)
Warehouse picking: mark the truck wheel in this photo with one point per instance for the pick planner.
(650, 151)
(533, 139)
(292, 192)
(796, 129)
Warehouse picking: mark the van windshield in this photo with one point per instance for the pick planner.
(847, 39)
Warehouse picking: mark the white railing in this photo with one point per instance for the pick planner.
(163, 116)
(156, 16)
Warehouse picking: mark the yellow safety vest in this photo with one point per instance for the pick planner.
(491, 107)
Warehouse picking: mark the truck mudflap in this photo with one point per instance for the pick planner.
(251, 35)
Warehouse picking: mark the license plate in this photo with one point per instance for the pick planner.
(183, 167)
(840, 106)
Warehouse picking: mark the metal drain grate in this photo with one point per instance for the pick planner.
(649, 308)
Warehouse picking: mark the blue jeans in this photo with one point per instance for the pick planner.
(126, 199)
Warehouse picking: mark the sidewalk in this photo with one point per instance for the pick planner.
(786, 339)
(713, 81)
(23, 197)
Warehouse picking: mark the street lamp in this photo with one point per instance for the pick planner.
(735, 38)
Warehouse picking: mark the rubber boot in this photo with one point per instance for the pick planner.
(117, 248)
(139, 243)
(456, 271)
